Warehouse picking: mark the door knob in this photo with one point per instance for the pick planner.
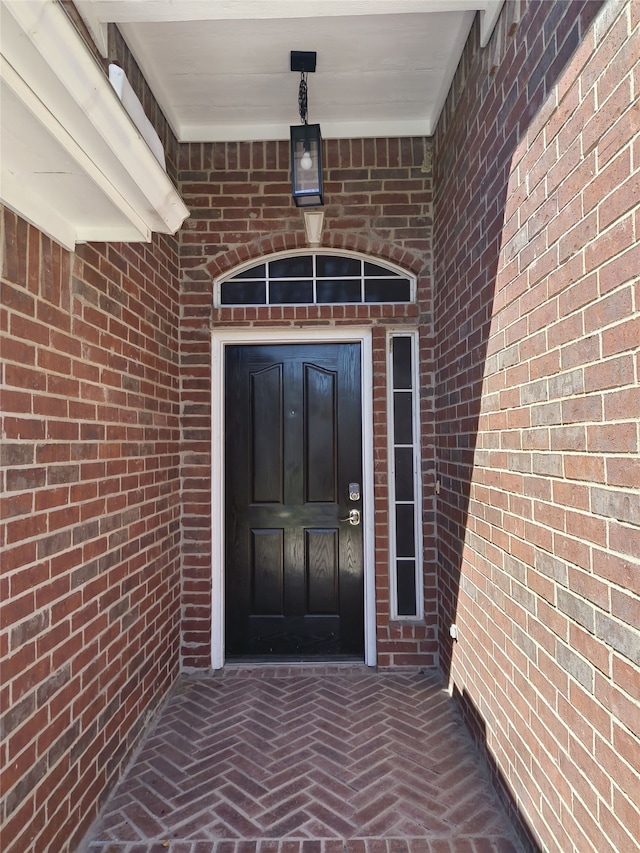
(353, 517)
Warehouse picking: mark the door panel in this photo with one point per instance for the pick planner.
(266, 435)
(320, 427)
(293, 569)
(323, 572)
(267, 572)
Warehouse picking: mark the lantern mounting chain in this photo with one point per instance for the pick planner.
(302, 98)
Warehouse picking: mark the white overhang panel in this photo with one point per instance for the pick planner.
(73, 162)
(140, 11)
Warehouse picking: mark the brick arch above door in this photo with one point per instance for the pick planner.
(281, 244)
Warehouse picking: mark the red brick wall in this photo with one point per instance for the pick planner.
(377, 201)
(90, 521)
(537, 323)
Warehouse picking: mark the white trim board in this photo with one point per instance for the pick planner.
(229, 337)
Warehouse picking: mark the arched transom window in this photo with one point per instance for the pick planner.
(320, 278)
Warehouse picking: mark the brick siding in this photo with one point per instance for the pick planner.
(91, 520)
(378, 197)
(537, 172)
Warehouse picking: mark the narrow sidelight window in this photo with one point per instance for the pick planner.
(405, 529)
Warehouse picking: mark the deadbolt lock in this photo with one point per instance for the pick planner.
(354, 491)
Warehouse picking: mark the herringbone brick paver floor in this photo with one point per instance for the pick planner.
(313, 760)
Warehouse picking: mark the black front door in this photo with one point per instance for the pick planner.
(293, 445)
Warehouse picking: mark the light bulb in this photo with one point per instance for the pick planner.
(306, 162)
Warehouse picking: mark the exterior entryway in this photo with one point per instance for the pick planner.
(294, 574)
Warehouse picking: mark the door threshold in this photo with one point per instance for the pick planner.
(289, 665)
(292, 659)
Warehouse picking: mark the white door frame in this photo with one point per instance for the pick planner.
(225, 337)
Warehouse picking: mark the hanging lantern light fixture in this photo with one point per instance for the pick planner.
(306, 141)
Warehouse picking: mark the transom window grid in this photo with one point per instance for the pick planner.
(320, 278)
(405, 491)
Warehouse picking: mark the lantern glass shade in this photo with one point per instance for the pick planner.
(306, 165)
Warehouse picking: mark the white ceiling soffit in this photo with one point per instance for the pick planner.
(220, 68)
(73, 163)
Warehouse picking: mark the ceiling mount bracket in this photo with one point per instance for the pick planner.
(303, 60)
